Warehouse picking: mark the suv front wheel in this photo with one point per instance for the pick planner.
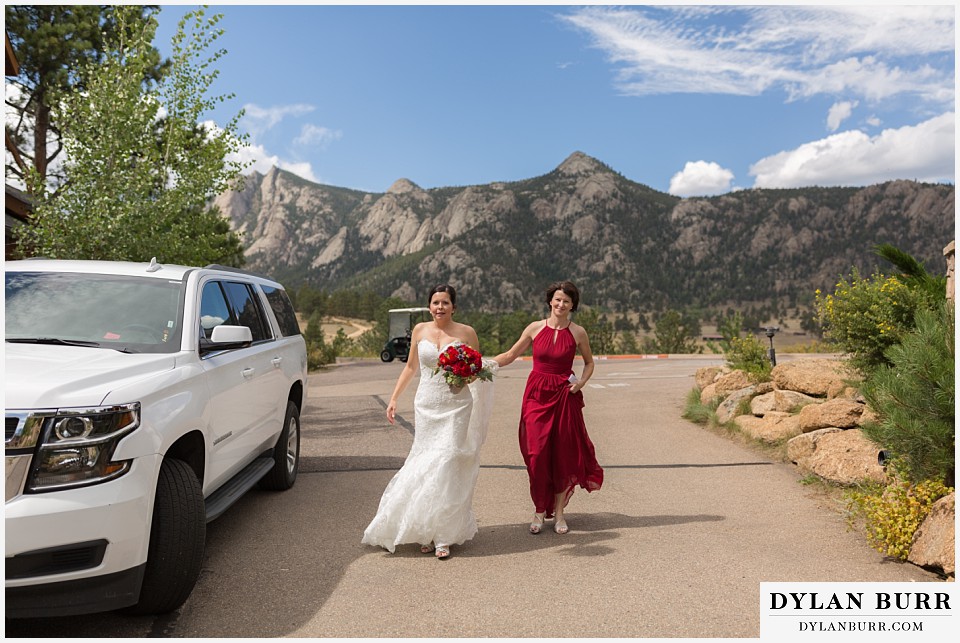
(177, 539)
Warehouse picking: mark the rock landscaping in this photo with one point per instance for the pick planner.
(813, 407)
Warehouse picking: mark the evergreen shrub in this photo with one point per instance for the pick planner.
(914, 398)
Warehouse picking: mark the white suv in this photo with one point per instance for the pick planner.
(142, 400)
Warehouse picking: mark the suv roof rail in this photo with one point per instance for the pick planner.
(216, 266)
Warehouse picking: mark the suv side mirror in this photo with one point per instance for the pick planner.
(227, 338)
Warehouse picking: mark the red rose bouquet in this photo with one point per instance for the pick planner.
(461, 365)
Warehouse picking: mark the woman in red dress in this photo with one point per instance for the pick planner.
(553, 437)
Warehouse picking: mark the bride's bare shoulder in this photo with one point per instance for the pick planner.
(418, 330)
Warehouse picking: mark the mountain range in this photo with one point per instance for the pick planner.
(627, 246)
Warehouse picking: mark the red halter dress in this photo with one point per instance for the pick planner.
(553, 437)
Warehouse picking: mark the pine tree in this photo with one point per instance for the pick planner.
(51, 42)
(914, 398)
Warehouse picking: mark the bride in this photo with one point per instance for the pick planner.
(429, 500)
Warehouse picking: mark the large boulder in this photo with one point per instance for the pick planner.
(933, 544)
(725, 385)
(844, 457)
(802, 447)
(707, 375)
(816, 376)
(780, 402)
(843, 389)
(772, 428)
(838, 412)
(728, 408)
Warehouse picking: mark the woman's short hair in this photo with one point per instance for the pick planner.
(568, 288)
(443, 288)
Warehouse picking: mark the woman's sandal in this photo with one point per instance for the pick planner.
(561, 527)
(426, 549)
(443, 552)
(537, 523)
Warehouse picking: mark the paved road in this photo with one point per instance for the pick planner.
(676, 543)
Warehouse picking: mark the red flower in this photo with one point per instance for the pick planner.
(461, 365)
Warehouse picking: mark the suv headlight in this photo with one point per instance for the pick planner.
(77, 445)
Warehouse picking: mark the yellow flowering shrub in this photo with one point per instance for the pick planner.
(865, 316)
(893, 514)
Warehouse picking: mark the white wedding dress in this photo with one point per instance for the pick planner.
(430, 498)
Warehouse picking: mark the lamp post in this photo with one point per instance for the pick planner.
(772, 354)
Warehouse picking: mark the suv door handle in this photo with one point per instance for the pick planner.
(276, 361)
(247, 372)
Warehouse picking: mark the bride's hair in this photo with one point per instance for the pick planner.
(444, 288)
(568, 288)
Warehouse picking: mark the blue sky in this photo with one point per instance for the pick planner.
(691, 100)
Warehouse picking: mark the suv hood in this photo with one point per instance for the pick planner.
(44, 377)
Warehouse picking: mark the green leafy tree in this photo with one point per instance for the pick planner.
(319, 352)
(51, 42)
(675, 334)
(372, 341)
(599, 330)
(728, 327)
(914, 398)
(810, 323)
(310, 300)
(485, 325)
(627, 343)
(510, 327)
(141, 166)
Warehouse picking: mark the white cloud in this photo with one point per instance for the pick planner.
(840, 112)
(924, 152)
(874, 121)
(873, 52)
(314, 135)
(262, 161)
(257, 120)
(700, 178)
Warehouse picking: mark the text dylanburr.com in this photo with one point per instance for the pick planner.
(858, 611)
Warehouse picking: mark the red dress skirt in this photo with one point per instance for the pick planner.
(553, 437)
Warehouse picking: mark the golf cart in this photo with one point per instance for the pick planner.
(402, 321)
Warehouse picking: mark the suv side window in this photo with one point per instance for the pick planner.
(282, 310)
(246, 308)
(214, 309)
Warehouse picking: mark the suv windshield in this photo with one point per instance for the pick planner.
(135, 314)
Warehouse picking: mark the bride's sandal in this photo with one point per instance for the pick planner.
(426, 549)
(561, 527)
(537, 523)
(443, 552)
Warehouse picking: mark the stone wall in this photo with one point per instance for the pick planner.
(813, 406)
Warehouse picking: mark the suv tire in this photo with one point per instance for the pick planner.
(177, 539)
(286, 454)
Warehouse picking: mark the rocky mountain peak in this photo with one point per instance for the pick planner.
(580, 163)
(625, 243)
(401, 186)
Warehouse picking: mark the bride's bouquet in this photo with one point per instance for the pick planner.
(460, 365)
